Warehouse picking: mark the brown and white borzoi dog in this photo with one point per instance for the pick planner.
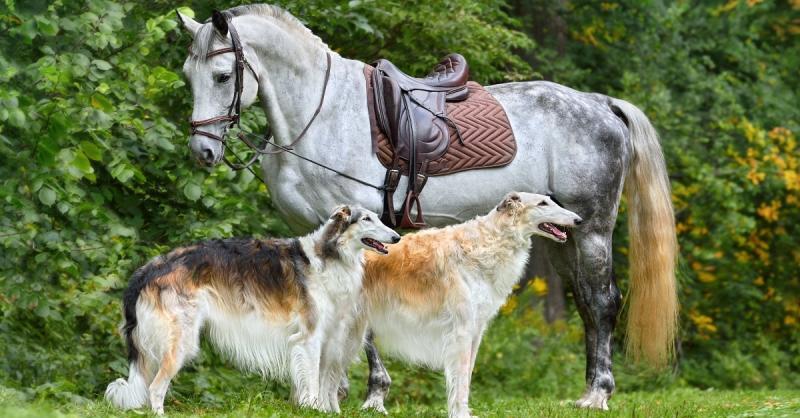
(429, 301)
(280, 307)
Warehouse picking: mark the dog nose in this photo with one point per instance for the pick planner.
(395, 239)
(578, 221)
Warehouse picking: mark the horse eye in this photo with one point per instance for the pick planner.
(542, 203)
(222, 78)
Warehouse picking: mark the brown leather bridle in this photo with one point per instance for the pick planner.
(234, 109)
(236, 104)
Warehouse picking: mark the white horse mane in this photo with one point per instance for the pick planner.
(204, 39)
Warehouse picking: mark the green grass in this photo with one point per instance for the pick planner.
(257, 403)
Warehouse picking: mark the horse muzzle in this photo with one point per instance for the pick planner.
(206, 151)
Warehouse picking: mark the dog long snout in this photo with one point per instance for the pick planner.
(395, 239)
(578, 221)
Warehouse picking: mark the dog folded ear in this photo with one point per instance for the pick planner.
(511, 203)
(341, 212)
(337, 223)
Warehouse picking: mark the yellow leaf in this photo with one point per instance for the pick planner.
(539, 286)
(706, 277)
(769, 211)
(509, 306)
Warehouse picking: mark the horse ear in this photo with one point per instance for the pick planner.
(188, 23)
(511, 202)
(220, 23)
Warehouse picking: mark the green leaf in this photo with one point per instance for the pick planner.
(46, 26)
(82, 163)
(16, 117)
(192, 191)
(47, 196)
(187, 11)
(100, 102)
(102, 65)
(164, 143)
(91, 150)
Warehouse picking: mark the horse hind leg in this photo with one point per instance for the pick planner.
(587, 262)
(379, 380)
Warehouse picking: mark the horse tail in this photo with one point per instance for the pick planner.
(653, 299)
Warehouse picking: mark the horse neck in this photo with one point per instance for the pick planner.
(292, 74)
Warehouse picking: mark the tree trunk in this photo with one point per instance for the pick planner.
(543, 21)
(539, 266)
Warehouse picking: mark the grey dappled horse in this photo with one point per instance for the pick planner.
(582, 148)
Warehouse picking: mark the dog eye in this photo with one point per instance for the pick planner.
(223, 78)
(366, 219)
(542, 203)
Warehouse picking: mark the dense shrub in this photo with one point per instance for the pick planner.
(97, 176)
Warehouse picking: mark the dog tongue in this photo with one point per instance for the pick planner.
(548, 227)
(376, 245)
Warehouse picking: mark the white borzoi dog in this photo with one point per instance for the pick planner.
(279, 307)
(429, 301)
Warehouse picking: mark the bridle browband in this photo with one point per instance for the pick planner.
(234, 111)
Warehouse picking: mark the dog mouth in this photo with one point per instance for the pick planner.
(554, 230)
(375, 245)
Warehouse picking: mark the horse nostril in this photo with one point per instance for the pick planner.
(396, 239)
(578, 221)
(208, 155)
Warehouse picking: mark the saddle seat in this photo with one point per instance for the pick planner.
(412, 112)
(451, 72)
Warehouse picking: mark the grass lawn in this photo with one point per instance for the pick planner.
(672, 403)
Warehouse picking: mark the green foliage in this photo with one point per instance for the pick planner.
(719, 81)
(97, 178)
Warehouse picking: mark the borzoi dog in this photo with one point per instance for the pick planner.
(279, 307)
(429, 301)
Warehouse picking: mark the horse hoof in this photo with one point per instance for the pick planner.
(375, 405)
(593, 400)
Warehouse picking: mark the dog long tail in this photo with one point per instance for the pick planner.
(131, 393)
(653, 300)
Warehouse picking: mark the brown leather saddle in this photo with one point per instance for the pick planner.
(412, 113)
(433, 126)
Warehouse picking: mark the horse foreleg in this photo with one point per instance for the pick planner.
(379, 380)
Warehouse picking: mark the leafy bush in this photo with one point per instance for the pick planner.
(97, 177)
